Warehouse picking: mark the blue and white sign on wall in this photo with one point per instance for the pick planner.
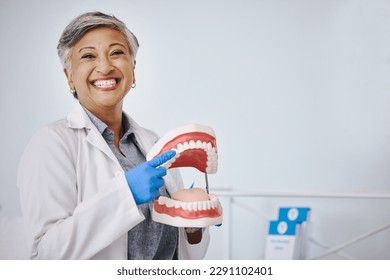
(287, 236)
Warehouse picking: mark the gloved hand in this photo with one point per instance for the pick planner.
(145, 179)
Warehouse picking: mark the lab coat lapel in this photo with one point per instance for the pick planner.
(97, 140)
(78, 119)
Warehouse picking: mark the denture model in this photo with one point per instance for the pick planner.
(195, 146)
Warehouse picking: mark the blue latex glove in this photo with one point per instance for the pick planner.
(145, 179)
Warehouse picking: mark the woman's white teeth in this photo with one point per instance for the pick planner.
(105, 83)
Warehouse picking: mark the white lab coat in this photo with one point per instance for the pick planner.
(74, 195)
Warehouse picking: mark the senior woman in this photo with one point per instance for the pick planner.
(86, 190)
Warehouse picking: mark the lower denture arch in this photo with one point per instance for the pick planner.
(186, 214)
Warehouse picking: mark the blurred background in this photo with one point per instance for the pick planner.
(298, 93)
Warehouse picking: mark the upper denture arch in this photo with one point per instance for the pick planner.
(195, 146)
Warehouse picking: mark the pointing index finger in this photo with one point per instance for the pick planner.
(161, 159)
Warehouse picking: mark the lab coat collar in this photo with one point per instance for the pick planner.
(78, 119)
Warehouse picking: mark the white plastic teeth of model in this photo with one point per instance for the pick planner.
(105, 83)
(190, 206)
(212, 156)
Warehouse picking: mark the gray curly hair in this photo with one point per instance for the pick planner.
(77, 28)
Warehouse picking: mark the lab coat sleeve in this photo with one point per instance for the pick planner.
(59, 226)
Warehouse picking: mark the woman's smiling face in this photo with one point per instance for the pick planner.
(102, 69)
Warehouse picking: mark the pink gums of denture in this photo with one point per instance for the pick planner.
(186, 214)
(196, 157)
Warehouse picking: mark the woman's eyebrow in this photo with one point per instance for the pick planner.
(86, 48)
(111, 45)
(119, 44)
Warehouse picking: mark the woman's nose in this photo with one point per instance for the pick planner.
(104, 66)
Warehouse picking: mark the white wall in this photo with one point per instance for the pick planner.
(297, 92)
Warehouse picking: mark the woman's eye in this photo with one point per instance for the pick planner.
(118, 52)
(88, 56)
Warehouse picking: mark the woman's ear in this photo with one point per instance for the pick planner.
(69, 78)
(134, 79)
